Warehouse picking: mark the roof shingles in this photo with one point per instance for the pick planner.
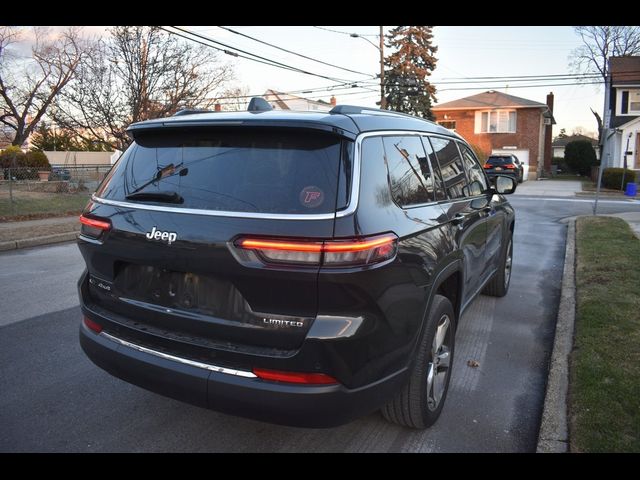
(490, 99)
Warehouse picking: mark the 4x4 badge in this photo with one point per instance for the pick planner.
(156, 234)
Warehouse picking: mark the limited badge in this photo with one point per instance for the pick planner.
(311, 196)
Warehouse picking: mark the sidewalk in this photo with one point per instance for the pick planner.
(565, 188)
(549, 188)
(31, 233)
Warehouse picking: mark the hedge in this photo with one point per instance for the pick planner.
(612, 178)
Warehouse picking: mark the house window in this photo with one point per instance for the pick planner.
(449, 124)
(498, 121)
(630, 102)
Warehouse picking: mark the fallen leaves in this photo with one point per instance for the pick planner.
(473, 363)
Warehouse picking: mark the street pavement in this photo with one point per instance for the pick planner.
(53, 399)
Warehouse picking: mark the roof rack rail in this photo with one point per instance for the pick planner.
(190, 111)
(353, 109)
(259, 104)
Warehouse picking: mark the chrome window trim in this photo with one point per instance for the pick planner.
(351, 208)
(215, 213)
(166, 356)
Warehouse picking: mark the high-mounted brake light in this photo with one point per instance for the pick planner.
(295, 377)
(328, 253)
(94, 227)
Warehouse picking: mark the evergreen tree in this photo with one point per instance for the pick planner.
(407, 88)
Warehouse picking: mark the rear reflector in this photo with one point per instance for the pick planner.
(91, 325)
(330, 253)
(295, 377)
(94, 227)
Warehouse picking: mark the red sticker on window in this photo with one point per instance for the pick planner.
(311, 196)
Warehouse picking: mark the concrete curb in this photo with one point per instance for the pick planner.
(36, 241)
(554, 430)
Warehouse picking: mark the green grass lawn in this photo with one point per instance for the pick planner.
(605, 365)
(43, 205)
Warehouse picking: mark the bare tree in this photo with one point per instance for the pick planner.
(601, 42)
(235, 99)
(29, 85)
(138, 74)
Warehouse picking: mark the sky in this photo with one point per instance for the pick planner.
(463, 51)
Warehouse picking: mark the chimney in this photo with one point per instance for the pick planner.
(550, 101)
(548, 129)
(333, 101)
(218, 107)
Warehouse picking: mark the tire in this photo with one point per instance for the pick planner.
(418, 405)
(521, 177)
(498, 286)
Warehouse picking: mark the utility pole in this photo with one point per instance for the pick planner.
(383, 102)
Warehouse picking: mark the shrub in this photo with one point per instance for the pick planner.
(37, 159)
(561, 163)
(481, 154)
(580, 156)
(612, 178)
(11, 157)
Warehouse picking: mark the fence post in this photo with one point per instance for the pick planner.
(13, 205)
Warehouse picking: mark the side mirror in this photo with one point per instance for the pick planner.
(505, 185)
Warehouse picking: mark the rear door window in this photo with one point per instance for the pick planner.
(409, 173)
(279, 171)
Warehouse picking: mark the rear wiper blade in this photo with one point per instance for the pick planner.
(168, 197)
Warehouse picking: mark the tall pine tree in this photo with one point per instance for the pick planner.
(406, 86)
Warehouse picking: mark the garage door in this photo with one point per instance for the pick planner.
(523, 156)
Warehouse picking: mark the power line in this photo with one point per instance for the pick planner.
(346, 33)
(509, 79)
(235, 54)
(292, 52)
(273, 63)
(523, 86)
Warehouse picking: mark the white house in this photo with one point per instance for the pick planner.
(621, 134)
(287, 101)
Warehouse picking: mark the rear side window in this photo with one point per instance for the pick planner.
(451, 167)
(409, 174)
(477, 179)
(276, 171)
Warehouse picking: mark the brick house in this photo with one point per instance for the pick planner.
(495, 122)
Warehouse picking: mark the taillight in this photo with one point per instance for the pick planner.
(510, 166)
(486, 165)
(94, 226)
(328, 253)
(295, 377)
(93, 326)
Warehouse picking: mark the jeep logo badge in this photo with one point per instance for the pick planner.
(156, 234)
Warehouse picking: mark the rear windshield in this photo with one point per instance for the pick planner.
(499, 160)
(247, 170)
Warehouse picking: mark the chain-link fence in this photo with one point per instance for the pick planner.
(28, 192)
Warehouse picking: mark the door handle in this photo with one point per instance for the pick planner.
(458, 219)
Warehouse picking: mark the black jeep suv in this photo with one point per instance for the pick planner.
(298, 268)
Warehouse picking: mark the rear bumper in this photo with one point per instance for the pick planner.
(507, 173)
(296, 405)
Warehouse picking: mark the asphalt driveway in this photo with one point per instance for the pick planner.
(53, 399)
